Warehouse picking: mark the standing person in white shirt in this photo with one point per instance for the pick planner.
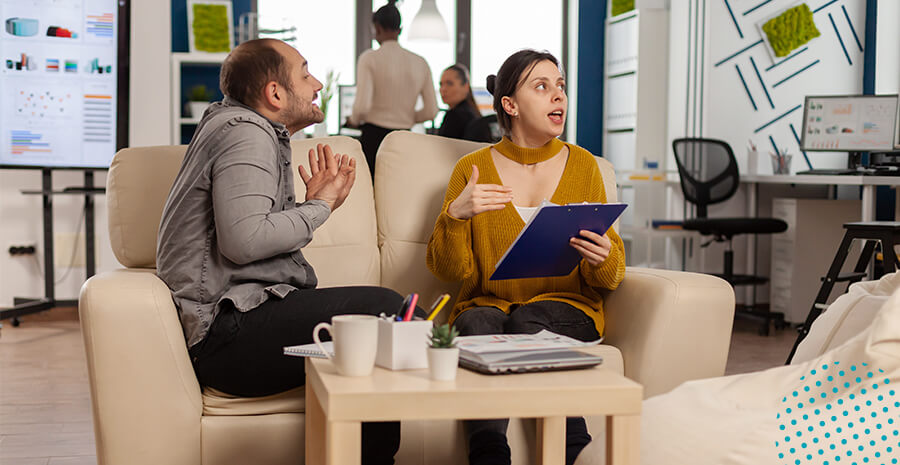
(389, 81)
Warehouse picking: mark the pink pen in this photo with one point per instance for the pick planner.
(412, 305)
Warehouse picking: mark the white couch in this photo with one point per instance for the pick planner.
(664, 327)
(838, 395)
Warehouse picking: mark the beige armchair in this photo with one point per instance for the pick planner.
(664, 327)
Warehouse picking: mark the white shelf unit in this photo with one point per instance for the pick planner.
(635, 88)
(634, 124)
(179, 60)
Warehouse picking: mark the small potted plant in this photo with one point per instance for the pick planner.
(325, 95)
(443, 355)
(198, 99)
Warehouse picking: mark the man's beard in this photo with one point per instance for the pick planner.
(302, 114)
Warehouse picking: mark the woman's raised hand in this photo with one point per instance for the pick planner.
(593, 247)
(479, 198)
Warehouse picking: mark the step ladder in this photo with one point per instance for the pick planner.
(871, 232)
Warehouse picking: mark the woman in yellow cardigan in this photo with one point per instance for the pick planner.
(492, 193)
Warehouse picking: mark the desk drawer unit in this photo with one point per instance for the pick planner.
(802, 254)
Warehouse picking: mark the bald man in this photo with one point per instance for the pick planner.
(231, 234)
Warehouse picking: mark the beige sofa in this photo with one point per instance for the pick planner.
(664, 327)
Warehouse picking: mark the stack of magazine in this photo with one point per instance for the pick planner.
(519, 353)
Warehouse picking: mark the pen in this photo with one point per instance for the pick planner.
(412, 305)
(403, 306)
(438, 305)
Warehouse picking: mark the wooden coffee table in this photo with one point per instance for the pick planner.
(336, 405)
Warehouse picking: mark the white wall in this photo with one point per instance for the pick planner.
(20, 215)
(720, 107)
(887, 49)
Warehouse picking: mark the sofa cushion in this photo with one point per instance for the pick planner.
(410, 179)
(137, 186)
(407, 210)
(344, 250)
(842, 405)
(216, 402)
(847, 316)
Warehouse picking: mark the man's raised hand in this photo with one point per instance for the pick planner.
(330, 176)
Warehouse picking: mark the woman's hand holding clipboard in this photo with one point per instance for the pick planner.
(545, 248)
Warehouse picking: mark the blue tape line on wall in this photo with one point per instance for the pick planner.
(750, 96)
(786, 59)
(796, 73)
(734, 20)
(763, 84)
(824, 6)
(754, 44)
(838, 34)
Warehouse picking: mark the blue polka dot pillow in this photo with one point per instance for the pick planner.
(841, 408)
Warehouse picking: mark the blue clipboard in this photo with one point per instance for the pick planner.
(542, 247)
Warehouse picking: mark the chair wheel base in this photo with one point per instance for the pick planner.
(761, 313)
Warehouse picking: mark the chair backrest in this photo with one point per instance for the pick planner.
(344, 250)
(484, 129)
(410, 180)
(708, 171)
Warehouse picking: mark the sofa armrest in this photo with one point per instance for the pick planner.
(146, 400)
(671, 326)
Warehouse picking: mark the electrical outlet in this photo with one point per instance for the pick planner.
(63, 246)
(22, 249)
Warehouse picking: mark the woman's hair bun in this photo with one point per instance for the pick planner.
(491, 83)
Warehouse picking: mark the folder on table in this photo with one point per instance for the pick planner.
(542, 247)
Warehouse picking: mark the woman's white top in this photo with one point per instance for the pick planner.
(526, 212)
(389, 81)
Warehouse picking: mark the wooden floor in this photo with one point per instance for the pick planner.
(45, 412)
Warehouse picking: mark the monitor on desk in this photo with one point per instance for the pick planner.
(484, 100)
(346, 97)
(849, 123)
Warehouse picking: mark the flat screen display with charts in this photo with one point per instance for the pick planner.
(60, 82)
(855, 123)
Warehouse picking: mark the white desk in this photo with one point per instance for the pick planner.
(868, 184)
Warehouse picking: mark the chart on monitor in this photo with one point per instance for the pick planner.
(59, 83)
(855, 123)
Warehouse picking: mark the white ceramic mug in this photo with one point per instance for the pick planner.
(355, 343)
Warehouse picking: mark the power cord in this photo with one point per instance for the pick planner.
(37, 263)
(74, 247)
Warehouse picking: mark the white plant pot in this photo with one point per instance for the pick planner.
(320, 130)
(196, 109)
(442, 363)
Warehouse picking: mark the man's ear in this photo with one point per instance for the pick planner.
(273, 96)
(510, 106)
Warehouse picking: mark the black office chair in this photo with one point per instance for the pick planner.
(484, 129)
(709, 175)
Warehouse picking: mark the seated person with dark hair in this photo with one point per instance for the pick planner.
(457, 94)
(231, 234)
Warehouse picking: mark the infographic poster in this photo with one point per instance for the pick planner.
(58, 76)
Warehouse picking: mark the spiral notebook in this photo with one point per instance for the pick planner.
(309, 350)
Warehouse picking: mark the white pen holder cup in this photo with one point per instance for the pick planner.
(355, 342)
(752, 161)
(402, 344)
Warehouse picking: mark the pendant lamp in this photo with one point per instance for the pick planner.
(428, 23)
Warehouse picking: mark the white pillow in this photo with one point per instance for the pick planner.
(744, 419)
(847, 316)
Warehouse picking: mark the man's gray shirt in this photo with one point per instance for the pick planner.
(231, 229)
